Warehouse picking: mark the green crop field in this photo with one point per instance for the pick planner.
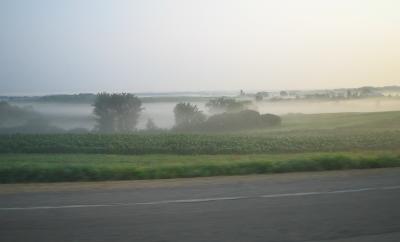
(302, 143)
(188, 144)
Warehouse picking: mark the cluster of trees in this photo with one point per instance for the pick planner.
(361, 92)
(225, 104)
(14, 119)
(120, 112)
(12, 115)
(188, 117)
(336, 94)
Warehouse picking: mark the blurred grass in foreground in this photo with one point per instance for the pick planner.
(16, 168)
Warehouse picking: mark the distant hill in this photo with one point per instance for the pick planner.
(74, 98)
(191, 96)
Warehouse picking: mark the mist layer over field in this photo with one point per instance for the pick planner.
(69, 116)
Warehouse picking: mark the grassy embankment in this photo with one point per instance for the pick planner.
(303, 143)
(92, 167)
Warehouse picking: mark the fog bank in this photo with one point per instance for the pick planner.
(70, 116)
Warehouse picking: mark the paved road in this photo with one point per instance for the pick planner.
(325, 206)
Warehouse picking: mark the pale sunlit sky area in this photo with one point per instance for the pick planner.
(71, 46)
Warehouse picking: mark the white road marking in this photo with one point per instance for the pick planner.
(200, 200)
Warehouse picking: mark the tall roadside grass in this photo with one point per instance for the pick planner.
(15, 168)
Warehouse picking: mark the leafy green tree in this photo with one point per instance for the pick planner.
(118, 112)
(187, 115)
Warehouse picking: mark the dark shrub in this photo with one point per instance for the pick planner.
(271, 119)
(246, 119)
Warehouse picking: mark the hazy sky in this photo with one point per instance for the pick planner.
(185, 45)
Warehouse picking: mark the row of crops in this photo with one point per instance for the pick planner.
(190, 144)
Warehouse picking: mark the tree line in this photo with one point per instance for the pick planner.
(119, 113)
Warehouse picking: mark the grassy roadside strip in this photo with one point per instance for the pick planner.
(15, 168)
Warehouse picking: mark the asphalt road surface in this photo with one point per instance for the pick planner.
(359, 205)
